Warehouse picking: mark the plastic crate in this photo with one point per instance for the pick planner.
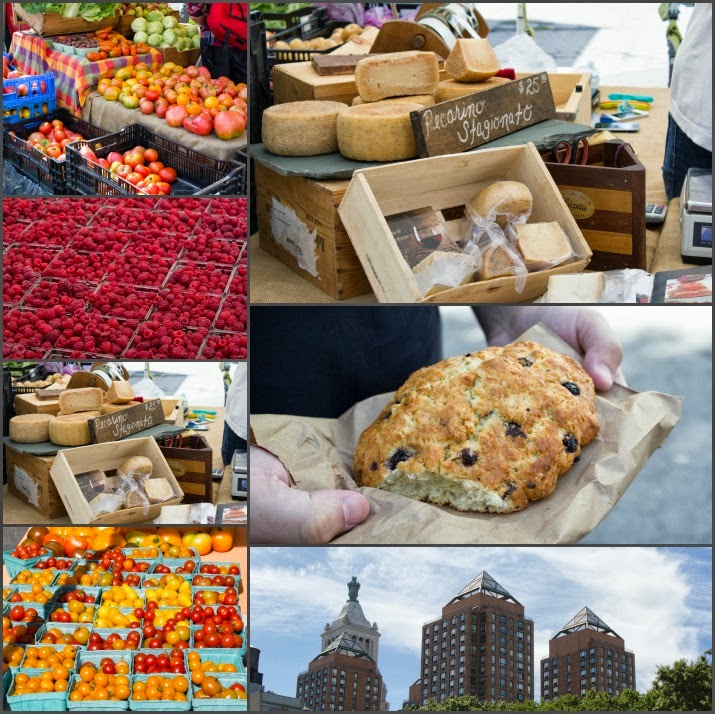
(162, 706)
(50, 173)
(38, 702)
(197, 175)
(288, 19)
(226, 680)
(242, 158)
(92, 705)
(316, 25)
(16, 565)
(38, 101)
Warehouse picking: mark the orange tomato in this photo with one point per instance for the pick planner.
(203, 543)
(221, 540)
(211, 686)
(170, 535)
(180, 684)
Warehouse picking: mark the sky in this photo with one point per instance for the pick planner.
(658, 599)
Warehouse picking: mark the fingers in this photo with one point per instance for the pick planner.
(602, 350)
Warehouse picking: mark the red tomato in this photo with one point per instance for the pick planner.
(154, 166)
(167, 175)
(46, 128)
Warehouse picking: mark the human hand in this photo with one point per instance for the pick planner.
(584, 329)
(286, 515)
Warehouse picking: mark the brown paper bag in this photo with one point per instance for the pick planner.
(319, 454)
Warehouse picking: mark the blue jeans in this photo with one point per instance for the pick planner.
(231, 442)
(681, 154)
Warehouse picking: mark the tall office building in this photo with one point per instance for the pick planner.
(344, 676)
(586, 654)
(482, 645)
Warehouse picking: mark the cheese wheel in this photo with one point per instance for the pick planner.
(30, 428)
(426, 100)
(378, 132)
(506, 198)
(451, 89)
(396, 74)
(136, 466)
(111, 408)
(472, 60)
(72, 429)
(302, 128)
(120, 392)
(81, 400)
(542, 245)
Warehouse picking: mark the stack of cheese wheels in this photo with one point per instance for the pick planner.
(471, 65)
(302, 128)
(72, 429)
(30, 428)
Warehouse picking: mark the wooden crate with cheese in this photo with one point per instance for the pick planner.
(445, 185)
(88, 469)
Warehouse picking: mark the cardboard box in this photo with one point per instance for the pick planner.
(191, 464)
(315, 244)
(608, 203)
(446, 183)
(572, 95)
(124, 23)
(185, 58)
(107, 457)
(28, 478)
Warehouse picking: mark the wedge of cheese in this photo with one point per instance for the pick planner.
(472, 60)
(396, 74)
(81, 400)
(158, 490)
(575, 288)
(543, 245)
(120, 392)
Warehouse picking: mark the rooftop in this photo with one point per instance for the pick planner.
(484, 583)
(586, 620)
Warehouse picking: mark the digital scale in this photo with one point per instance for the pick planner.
(696, 217)
(239, 474)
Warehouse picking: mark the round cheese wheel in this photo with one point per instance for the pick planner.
(426, 100)
(509, 200)
(30, 428)
(378, 132)
(451, 89)
(111, 408)
(136, 466)
(72, 429)
(302, 128)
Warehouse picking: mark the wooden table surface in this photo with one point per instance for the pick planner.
(272, 281)
(17, 512)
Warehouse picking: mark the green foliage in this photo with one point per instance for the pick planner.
(684, 686)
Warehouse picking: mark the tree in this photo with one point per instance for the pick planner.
(684, 686)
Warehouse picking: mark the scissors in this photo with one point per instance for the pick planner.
(566, 152)
(175, 441)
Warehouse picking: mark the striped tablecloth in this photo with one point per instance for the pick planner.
(75, 76)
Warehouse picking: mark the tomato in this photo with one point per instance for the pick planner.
(203, 543)
(57, 124)
(154, 166)
(221, 540)
(46, 128)
(133, 158)
(152, 155)
(211, 686)
(168, 535)
(143, 170)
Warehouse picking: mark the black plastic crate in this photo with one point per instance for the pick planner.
(47, 172)
(287, 18)
(315, 25)
(241, 158)
(197, 175)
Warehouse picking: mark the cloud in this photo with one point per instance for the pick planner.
(656, 599)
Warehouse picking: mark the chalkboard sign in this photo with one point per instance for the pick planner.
(118, 425)
(475, 119)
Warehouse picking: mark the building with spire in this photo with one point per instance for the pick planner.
(586, 654)
(344, 675)
(482, 645)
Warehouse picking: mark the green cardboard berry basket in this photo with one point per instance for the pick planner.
(220, 656)
(162, 706)
(57, 648)
(37, 702)
(93, 705)
(28, 588)
(96, 656)
(17, 565)
(226, 680)
(64, 627)
(61, 590)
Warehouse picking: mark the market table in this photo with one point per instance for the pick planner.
(272, 281)
(113, 116)
(16, 511)
(74, 76)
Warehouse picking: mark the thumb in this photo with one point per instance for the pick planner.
(602, 350)
(329, 513)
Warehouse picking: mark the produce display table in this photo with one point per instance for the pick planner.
(16, 511)
(272, 281)
(667, 254)
(113, 116)
(74, 76)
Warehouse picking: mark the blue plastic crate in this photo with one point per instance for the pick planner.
(40, 98)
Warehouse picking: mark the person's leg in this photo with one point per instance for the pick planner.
(231, 442)
(681, 154)
(215, 59)
(238, 71)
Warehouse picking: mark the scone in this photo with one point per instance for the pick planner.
(486, 432)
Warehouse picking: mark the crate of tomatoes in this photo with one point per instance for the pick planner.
(118, 165)
(36, 146)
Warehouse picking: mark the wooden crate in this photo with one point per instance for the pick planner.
(54, 24)
(107, 457)
(30, 404)
(124, 23)
(446, 183)
(191, 464)
(572, 95)
(316, 245)
(183, 59)
(28, 478)
(608, 204)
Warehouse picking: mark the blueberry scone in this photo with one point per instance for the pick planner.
(488, 431)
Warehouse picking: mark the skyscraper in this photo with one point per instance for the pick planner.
(482, 645)
(586, 654)
(344, 675)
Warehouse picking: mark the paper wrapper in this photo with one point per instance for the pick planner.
(319, 454)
